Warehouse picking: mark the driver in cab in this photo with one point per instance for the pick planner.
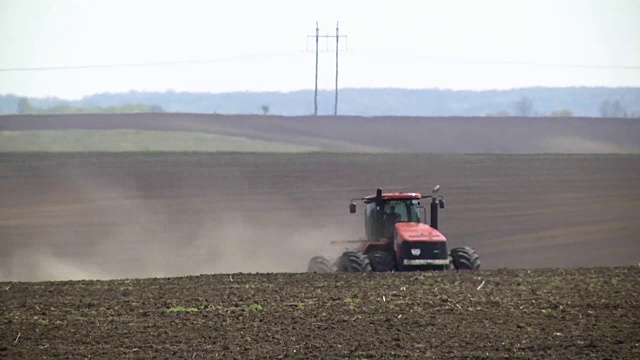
(391, 218)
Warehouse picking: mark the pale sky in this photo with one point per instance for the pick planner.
(252, 45)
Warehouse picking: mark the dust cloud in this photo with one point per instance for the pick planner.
(91, 227)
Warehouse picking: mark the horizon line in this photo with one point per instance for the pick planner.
(169, 91)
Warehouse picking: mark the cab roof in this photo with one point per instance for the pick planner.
(393, 196)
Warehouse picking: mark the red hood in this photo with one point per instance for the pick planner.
(409, 231)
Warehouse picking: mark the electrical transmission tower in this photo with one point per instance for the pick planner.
(317, 37)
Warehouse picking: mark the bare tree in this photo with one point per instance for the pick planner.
(617, 110)
(604, 108)
(524, 106)
(609, 108)
(265, 109)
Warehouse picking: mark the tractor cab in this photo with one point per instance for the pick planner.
(383, 211)
(380, 219)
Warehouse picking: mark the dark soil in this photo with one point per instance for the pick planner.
(395, 134)
(106, 216)
(541, 314)
(102, 216)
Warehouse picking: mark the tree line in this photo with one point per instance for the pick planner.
(524, 107)
(535, 101)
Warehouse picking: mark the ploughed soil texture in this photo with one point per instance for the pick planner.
(507, 313)
(104, 216)
(558, 237)
(373, 134)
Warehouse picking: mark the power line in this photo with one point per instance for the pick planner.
(526, 63)
(500, 62)
(251, 57)
(583, 66)
(146, 64)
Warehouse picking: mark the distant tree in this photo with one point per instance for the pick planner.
(265, 109)
(604, 108)
(609, 108)
(524, 107)
(562, 113)
(617, 110)
(24, 106)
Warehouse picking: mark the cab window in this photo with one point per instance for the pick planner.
(399, 207)
(407, 210)
(370, 220)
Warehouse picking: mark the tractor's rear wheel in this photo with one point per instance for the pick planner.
(465, 258)
(351, 261)
(381, 260)
(320, 264)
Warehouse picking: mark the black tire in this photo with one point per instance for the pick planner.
(353, 262)
(465, 258)
(320, 264)
(383, 261)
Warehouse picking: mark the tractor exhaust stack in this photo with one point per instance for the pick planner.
(434, 213)
(436, 204)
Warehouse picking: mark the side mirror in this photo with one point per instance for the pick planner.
(352, 208)
(441, 203)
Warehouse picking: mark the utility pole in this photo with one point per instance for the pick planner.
(335, 102)
(317, 38)
(315, 95)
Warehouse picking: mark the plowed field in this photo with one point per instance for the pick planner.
(374, 134)
(540, 314)
(558, 237)
(103, 216)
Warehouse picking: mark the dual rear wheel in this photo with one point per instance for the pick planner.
(462, 258)
(320, 264)
(349, 262)
(352, 261)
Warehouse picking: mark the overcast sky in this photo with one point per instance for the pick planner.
(254, 45)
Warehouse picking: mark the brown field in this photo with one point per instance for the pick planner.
(140, 215)
(143, 215)
(516, 314)
(378, 134)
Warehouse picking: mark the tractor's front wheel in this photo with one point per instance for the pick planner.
(465, 258)
(320, 264)
(351, 261)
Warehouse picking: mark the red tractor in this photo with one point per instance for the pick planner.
(398, 238)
